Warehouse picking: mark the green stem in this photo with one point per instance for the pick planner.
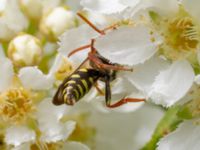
(167, 124)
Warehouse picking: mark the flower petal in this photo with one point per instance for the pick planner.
(13, 21)
(172, 84)
(53, 131)
(33, 78)
(192, 7)
(47, 106)
(121, 88)
(144, 75)
(128, 45)
(103, 6)
(17, 135)
(188, 131)
(129, 2)
(6, 72)
(51, 127)
(125, 131)
(163, 7)
(76, 38)
(74, 146)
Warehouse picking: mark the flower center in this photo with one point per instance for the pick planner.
(15, 105)
(182, 34)
(64, 69)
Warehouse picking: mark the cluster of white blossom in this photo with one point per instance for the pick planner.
(160, 40)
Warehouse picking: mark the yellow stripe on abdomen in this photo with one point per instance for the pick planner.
(85, 84)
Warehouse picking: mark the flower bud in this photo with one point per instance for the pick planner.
(25, 50)
(32, 8)
(54, 23)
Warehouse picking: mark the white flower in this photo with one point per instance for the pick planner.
(85, 34)
(121, 88)
(172, 84)
(124, 47)
(163, 83)
(57, 21)
(188, 132)
(30, 74)
(16, 135)
(103, 6)
(32, 8)
(51, 127)
(12, 21)
(117, 131)
(17, 90)
(25, 50)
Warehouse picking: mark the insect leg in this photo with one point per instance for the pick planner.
(100, 64)
(79, 49)
(90, 24)
(124, 101)
(102, 32)
(107, 91)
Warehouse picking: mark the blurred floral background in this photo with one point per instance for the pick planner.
(158, 39)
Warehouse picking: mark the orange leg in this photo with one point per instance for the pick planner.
(124, 101)
(79, 49)
(114, 26)
(90, 24)
(100, 64)
(102, 32)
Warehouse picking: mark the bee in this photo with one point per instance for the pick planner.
(78, 84)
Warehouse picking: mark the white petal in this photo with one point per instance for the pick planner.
(120, 88)
(76, 38)
(78, 58)
(144, 75)
(6, 73)
(51, 127)
(125, 131)
(47, 106)
(103, 6)
(128, 45)
(186, 137)
(33, 78)
(74, 146)
(74, 5)
(172, 84)
(13, 20)
(17, 135)
(192, 6)
(163, 7)
(131, 3)
(53, 131)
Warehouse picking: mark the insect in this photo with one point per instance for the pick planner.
(74, 87)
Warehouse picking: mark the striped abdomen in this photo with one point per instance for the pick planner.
(76, 86)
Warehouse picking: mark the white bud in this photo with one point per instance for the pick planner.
(12, 20)
(25, 50)
(32, 8)
(56, 22)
